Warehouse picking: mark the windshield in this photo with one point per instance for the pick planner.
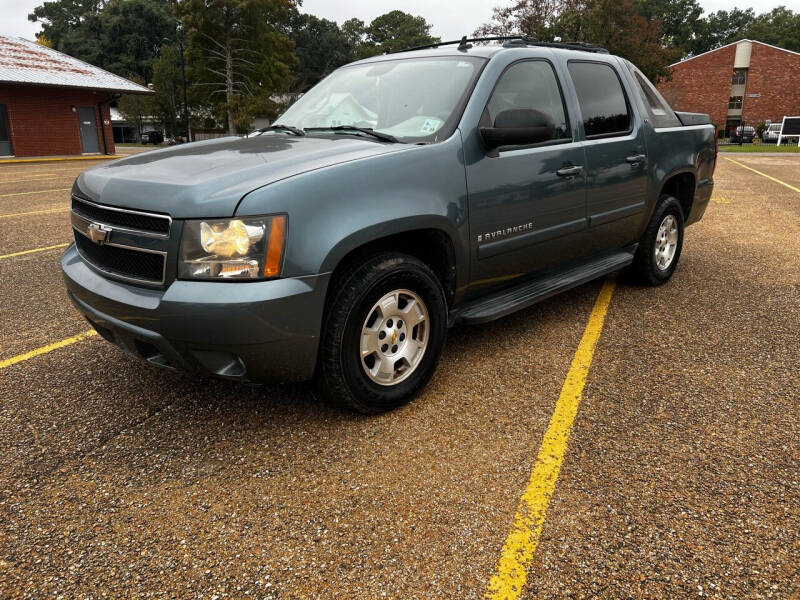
(412, 99)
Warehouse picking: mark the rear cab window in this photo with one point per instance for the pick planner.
(659, 110)
(605, 109)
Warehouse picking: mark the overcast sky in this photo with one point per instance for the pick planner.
(450, 18)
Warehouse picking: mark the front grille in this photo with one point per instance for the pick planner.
(143, 222)
(123, 262)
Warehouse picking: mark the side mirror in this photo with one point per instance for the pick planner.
(518, 127)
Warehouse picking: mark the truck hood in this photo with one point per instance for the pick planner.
(208, 179)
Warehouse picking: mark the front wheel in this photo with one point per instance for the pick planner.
(660, 247)
(384, 331)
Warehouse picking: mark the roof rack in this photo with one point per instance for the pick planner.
(511, 41)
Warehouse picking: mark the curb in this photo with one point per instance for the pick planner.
(61, 159)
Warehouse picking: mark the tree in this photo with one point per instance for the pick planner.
(121, 36)
(617, 26)
(779, 27)
(320, 47)
(239, 54)
(132, 34)
(135, 107)
(613, 24)
(679, 20)
(720, 28)
(72, 26)
(355, 32)
(389, 32)
(535, 19)
(167, 84)
(397, 30)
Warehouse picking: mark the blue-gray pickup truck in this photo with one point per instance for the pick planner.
(402, 195)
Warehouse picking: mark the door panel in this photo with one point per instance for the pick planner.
(88, 123)
(5, 133)
(617, 189)
(522, 214)
(526, 204)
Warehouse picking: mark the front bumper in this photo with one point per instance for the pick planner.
(264, 331)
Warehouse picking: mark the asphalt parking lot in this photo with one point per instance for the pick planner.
(681, 478)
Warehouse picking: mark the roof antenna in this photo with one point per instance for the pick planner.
(463, 46)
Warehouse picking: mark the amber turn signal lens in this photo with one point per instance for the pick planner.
(277, 233)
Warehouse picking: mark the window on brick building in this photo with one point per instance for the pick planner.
(739, 77)
(735, 102)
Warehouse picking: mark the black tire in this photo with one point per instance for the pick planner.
(340, 376)
(645, 269)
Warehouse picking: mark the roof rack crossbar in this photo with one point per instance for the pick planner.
(511, 40)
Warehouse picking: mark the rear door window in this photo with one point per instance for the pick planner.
(604, 106)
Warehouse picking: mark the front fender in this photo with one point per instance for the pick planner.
(397, 226)
(334, 210)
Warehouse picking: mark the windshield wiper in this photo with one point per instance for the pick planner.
(295, 130)
(368, 130)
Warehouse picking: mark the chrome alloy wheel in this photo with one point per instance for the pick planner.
(394, 337)
(666, 242)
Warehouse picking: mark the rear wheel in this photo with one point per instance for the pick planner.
(385, 329)
(660, 247)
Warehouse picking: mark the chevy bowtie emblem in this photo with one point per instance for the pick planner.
(98, 233)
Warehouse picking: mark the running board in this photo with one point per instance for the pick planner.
(505, 302)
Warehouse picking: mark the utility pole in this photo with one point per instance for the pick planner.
(185, 101)
(179, 40)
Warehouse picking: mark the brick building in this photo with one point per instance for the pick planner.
(746, 81)
(52, 104)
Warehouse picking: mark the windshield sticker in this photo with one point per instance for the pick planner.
(431, 125)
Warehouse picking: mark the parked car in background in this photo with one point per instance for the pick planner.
(770, 134)
(384, 207)
(152, 137)
(744, 134)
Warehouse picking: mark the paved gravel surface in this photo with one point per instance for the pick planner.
(784, 168)
(683, 475)
(681, 478)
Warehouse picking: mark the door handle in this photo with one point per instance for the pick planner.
(569, 171)
(636, 158)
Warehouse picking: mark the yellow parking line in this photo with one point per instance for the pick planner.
(23, 252)
(12, 161)
(27, 173)
(34, 212)
(29, 169)
(36, 192)
(511, 573)
(770, 177)
(37, 179)
(45, 349)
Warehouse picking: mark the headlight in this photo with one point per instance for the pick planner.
(246, 248)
